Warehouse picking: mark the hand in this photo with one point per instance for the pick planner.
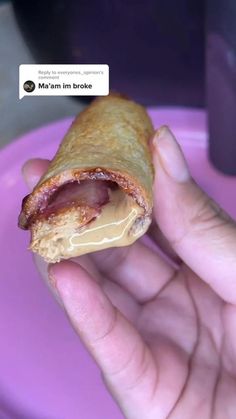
(162, 333)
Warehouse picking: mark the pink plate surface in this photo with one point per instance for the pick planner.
(45, 373)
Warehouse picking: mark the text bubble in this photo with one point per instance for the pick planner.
(63, 80)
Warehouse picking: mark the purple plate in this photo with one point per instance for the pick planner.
(45, 372)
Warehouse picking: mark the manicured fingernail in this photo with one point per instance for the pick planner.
(171, 156)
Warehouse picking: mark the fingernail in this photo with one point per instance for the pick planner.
(171, 156)
(30, 179)
(52, 273)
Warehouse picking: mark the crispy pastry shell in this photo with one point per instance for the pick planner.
(108, 140)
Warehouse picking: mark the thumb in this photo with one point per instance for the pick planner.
(200, 232)
(113, 342)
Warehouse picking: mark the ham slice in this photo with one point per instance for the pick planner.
(87, 198)
(93, 194)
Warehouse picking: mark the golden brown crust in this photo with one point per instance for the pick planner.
(84, 215)
(108, 140)
(48, 232)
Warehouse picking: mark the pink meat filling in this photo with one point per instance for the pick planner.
(88, 193)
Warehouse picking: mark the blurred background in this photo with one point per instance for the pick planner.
(159, 54)
(20, 116)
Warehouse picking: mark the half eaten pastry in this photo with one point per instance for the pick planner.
(97, 191)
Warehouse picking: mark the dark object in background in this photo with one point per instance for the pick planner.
(155, 49)
(221, 83)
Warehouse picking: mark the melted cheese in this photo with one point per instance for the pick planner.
(111, 227)
(120, 223)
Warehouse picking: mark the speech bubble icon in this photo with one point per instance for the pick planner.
(63, 80)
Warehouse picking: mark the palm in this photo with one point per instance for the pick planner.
(189, 357)
(182, 325)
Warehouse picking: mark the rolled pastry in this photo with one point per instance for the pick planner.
(97, 191)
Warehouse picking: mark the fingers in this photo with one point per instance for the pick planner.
(158, 237)
(84, 261)
(116, 294)
(140, 270)
(199, 231)
(125, 361)
(32, 171)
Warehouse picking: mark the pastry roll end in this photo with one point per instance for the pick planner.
(97, 192)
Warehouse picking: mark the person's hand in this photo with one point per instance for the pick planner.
(162, 333)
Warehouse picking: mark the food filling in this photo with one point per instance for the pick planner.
(86, 217)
